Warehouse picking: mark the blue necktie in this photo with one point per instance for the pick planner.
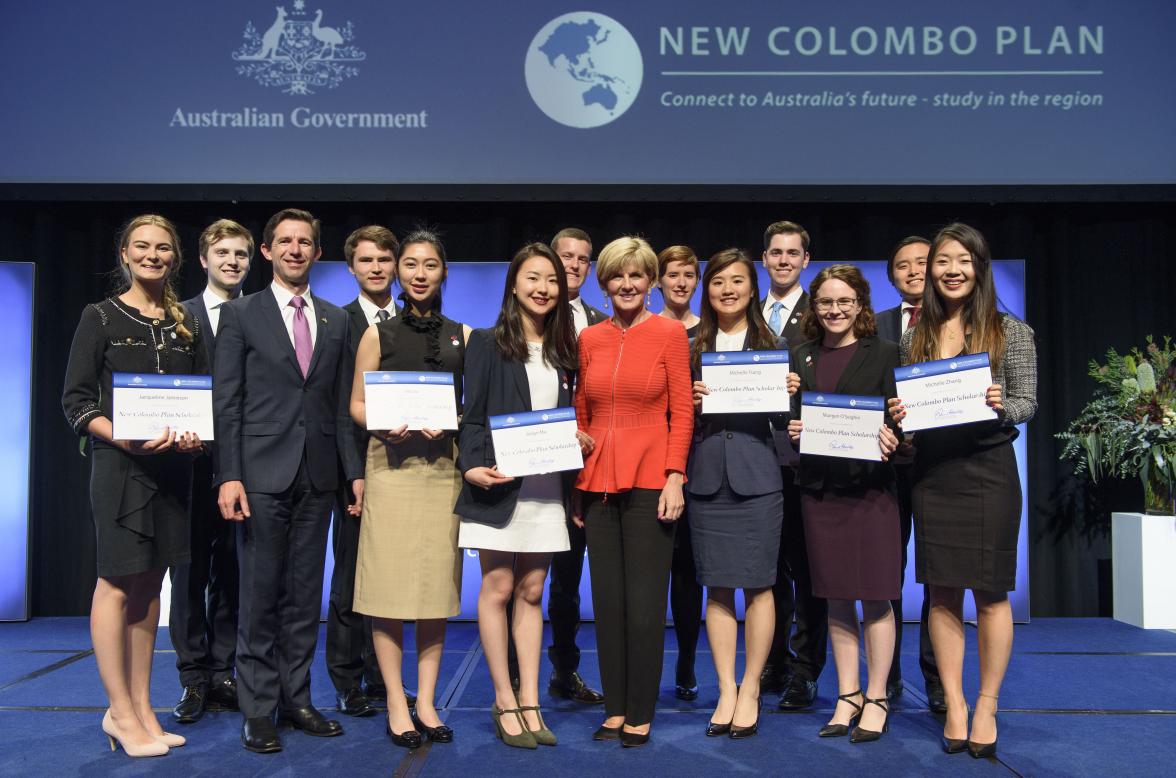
(774, 320)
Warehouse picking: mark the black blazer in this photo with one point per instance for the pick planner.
(196, 307)
(870, 372)
(791, 331)
(594, 315)
(357, 323)
(739, 444)
(494, 386)
(890, 323)
(268, 417)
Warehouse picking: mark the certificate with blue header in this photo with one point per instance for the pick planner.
(745, 381)
(536, 442)
(145, 403)
(841, 425)
(420, 400)
(945, 392)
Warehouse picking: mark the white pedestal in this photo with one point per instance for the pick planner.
(1144, 563)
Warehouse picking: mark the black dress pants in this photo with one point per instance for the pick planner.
(351, 659)
(926, 651)
(563, 604)
(281, 548)
(203, 617)
(631, 554)
(685, 604)
(801, 641)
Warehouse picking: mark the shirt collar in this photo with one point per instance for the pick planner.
(789, 299)
(370, 309)
(284, 295)
(211, 299)
(577, 303)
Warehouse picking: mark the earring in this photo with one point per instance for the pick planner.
(648, 299)
(606, 303)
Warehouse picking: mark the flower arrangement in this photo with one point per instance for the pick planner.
(1128, 428)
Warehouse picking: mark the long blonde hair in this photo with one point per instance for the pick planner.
(171, 302)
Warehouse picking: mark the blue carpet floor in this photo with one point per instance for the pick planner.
(1082, 697)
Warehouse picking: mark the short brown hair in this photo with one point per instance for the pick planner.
(291, 214)
(221, 229)
(864, 326)
(786, 228)
(574, 233)
(381, 236)
(676, 254)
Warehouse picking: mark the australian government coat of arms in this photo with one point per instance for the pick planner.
(297, 53)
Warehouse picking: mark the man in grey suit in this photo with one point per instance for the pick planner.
(281, 391)
(907, 271)
(801, 640)
(203, 617)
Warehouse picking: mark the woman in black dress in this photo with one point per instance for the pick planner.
(677, 278)
(966, 491)
(736, 506)
(849, 506)
(139, 490)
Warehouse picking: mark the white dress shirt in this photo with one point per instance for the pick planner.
(212, 304)
(906, 315)
(579, 315)
(371, 310)
(284, 296)
(790, 300)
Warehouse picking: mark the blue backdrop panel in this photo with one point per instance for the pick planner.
(16, 355)
(473, 296)
(658, 92)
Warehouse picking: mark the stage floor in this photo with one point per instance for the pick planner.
(1082, 697)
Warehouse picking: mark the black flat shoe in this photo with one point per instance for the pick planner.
(222, 696)
(798, 694)
(633, 739)
(717, 730)
(687, 693)
(310, 721)
(573, 688)
(260, 736)
(859, 735)
(409, 739)
(376, 692)
(936, 701)
(953, 746)
(841, 730)
(441, 734)
(354, 702)
(607, 733)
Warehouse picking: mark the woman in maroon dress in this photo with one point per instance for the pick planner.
(850, 512)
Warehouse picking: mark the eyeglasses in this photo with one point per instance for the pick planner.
(827, 303)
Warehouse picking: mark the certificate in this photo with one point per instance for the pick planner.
(945, 392)
(143, 404)
(536, 442)
(841, 425)
(420, 400)
(745, 381)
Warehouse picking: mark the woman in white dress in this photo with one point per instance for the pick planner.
(526, 362)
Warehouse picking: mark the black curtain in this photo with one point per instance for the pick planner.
(1099, 276)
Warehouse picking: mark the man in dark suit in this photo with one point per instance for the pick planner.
(351, 660)
(907, 271)
(203, 617)
(281, 390)
(801, 640)
(574, 249)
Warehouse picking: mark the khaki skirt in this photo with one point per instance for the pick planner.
(409, 566)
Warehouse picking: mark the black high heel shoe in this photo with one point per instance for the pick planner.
(984, 750)
(714, 729)
(841, 730)
(859, 735)
(633, 739)
(740, 733)
(953, 746)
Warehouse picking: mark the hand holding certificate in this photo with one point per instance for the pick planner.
(745, 381)
(945, 392)
(841, 425)
(536, 442)
(394, 399)
(145, 405)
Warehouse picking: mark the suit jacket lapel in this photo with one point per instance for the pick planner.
(858, 359)
(519, 373)
(207, 336)
(324, 323)
(273, 317)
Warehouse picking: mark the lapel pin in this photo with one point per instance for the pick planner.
(453, 339)
(808, 359)
(323, 319)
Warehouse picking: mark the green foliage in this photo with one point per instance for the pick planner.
(1128, 429)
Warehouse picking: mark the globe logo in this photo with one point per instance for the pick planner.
(583, 69)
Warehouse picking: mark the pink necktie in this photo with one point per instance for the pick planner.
(302, 347)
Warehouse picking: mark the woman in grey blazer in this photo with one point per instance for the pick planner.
(736, 506)
(966, 491)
